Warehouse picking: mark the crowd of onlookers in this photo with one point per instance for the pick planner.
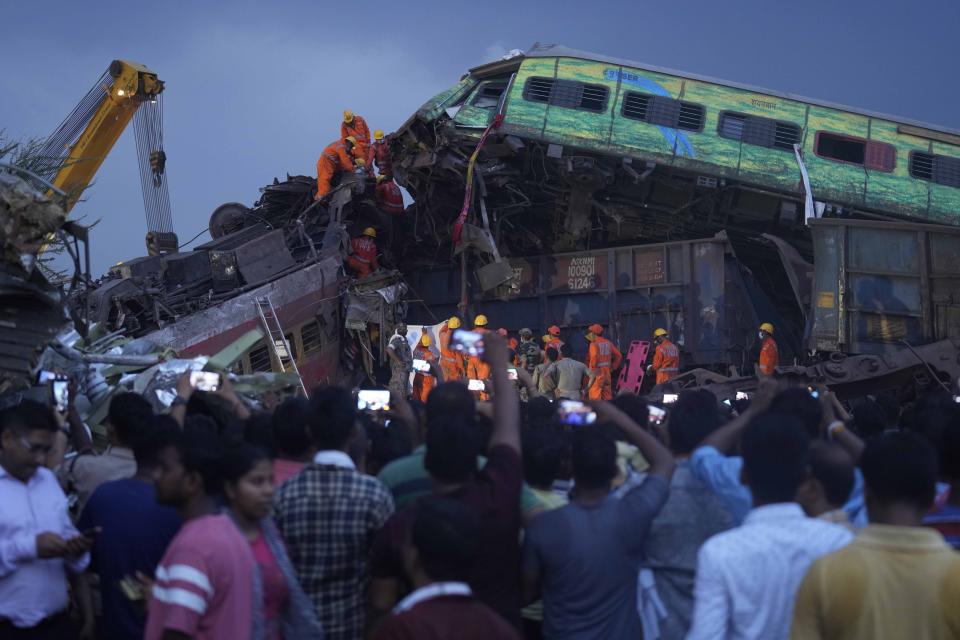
(787, 515)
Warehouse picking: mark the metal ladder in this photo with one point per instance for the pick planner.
(276, 340)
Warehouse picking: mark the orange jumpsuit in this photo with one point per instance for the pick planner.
(359, 130)
(379, 152)
(363, 260)
(333, 160)
(603, 357)
(666, 361)
(423, 383)
(451, 362)
(477, 369)
(769, 357)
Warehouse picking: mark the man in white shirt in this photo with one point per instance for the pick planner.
(747, 577)
(37, 539)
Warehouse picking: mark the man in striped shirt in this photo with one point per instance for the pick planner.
(204, 583)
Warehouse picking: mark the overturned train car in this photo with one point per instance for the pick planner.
(608, 190)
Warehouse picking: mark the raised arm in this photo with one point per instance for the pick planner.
(506, 404)
(660, 459)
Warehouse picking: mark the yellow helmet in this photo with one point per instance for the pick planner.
(453, 323)
(347, 116)
(547, 338)
(377, 134)
(480, 321)
(659, 332)
(766, 326)
(425, 340)
(370, 231)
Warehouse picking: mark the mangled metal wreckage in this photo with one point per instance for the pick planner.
(607, 190)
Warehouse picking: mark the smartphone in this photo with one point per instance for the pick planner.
(468, 342)
(728, 402)
(476, 385)
(512, 374)
(670, 398)
(956, 399)
(421, 365)
(132, 590)
(61, 394)
(742, 395)
(655, 415)
(373, 400)
(43, 376)
(574, 412)
(813, 392)
(205, 380)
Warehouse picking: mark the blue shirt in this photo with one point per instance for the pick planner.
(722, 474)
(135, 533)
(588, 559)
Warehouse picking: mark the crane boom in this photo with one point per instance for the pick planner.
(75, 151)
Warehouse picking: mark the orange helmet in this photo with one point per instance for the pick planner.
(595, 329)
(553, 330)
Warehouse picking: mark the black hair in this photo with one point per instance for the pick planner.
(387, 443)
(539, 412)
(832, 466)
(634, 406)
(333, 416)
(551, 354)
(290, 431)
(798, 402)
(544, 452)
(949, 451)
(128, 413)
(151, 440)
(238, 461)
(453, 445)
(201, 451)
(28, 416)
(450, 398)
(900, 467)
(445, 535)
(594, 458)
(258, 431)
(869, 419)
(692, 418)
(775, 452)
(565, 350)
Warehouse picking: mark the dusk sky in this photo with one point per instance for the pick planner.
(255, 89)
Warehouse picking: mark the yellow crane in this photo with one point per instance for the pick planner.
(72, 155)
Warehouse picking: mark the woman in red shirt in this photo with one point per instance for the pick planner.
(286, 611)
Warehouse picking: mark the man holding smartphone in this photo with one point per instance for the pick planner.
(37, 540)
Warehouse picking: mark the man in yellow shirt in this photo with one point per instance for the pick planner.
(897, 579)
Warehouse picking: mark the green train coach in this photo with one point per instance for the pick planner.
(862, 161)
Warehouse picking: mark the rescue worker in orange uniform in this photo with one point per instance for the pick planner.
(363, 260)
(379, 152)
(477, 369)
(451, 362)
(552, 339)
(666, 357)
(423, 383)
(769, 353)
(337, 157)
(602, 358)
(355, 126)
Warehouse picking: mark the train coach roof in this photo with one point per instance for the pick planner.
(539, 50)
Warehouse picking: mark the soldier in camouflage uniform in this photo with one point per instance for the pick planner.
(401, 361)
(529, 356)
(528, 353)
